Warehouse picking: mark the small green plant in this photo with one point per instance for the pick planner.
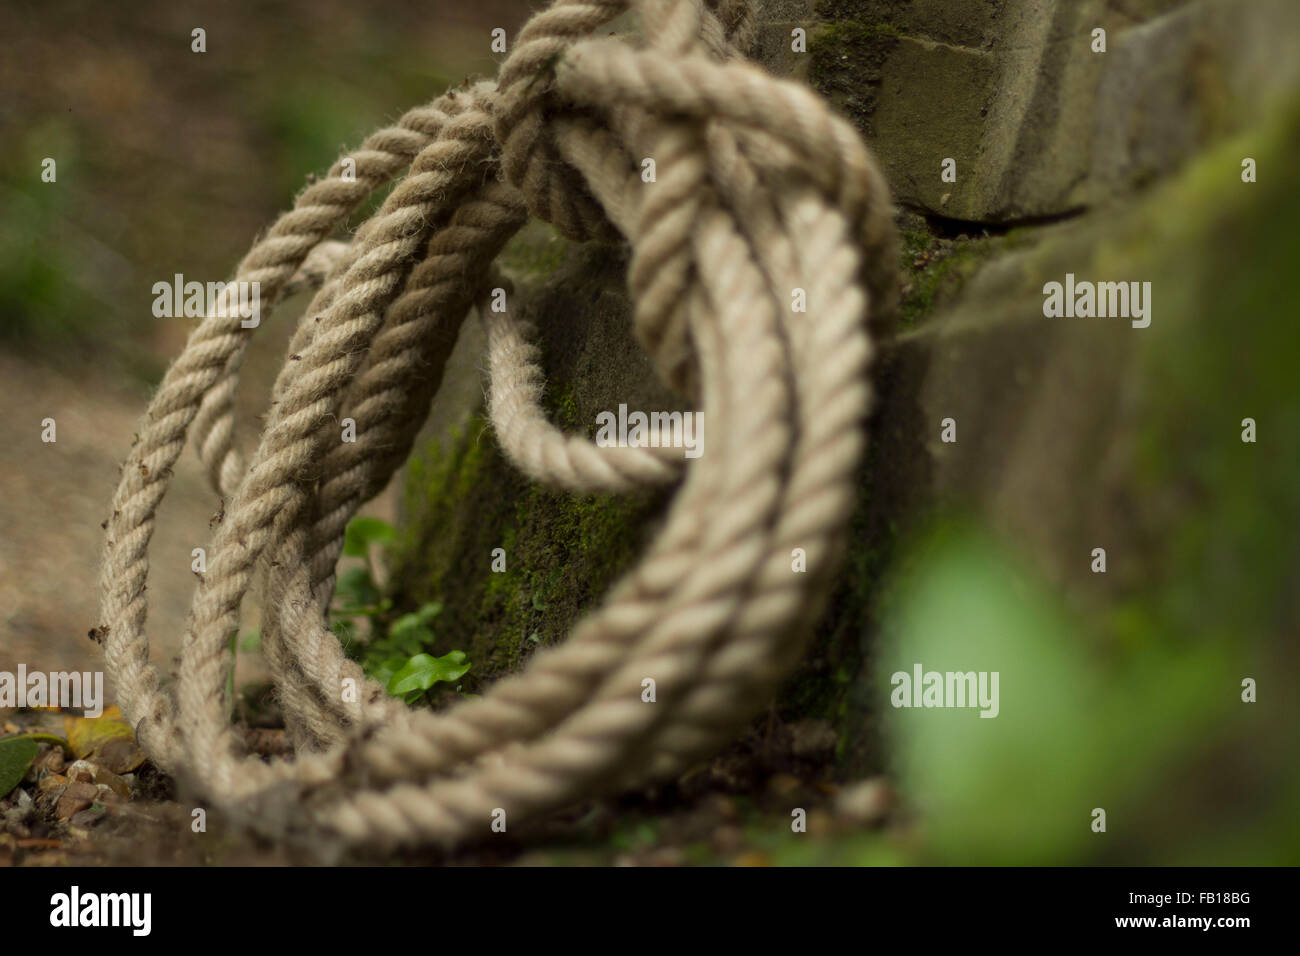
(414, 678)
(248, 642)
(398, 659)
(362, 532)
(396, 653)
(356, 594)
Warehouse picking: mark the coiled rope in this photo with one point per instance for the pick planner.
(760, 191)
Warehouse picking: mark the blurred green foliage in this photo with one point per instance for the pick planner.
(1135, 705)
(44, 297)
(172, 161)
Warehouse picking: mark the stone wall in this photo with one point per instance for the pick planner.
(1071, 434)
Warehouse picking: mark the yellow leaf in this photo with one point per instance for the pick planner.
(107, 739)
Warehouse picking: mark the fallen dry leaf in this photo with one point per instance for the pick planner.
(107, 739)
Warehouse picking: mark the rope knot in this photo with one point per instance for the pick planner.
(525, 109)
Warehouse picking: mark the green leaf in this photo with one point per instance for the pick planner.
(419, 618)
(107, 739)
(410, 632)
(16, 755)
(357, 590)
(362, 532)
(423, 671)
(387, 668)
(963, 605)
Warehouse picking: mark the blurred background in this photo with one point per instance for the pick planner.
(168, 161)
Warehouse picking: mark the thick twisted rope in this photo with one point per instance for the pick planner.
(760, 191)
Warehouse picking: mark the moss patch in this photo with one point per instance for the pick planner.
(1222, 349)
(562, 552)
(973, 24)
(845, 64)
(933, 269)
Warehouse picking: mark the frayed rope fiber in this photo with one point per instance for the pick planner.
(760, 191)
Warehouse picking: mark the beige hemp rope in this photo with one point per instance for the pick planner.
(760, 191)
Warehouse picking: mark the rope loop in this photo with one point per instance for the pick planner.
(756, 248)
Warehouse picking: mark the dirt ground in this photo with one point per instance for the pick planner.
(54, 497)
(734, 809)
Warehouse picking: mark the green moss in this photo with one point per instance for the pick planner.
(970, 24)
(1141, 687)
(934, 270)
(562, 552)
(845, 62)
(1221, 347)
(46, 303)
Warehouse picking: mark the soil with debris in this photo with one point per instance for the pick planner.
(730, 810)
